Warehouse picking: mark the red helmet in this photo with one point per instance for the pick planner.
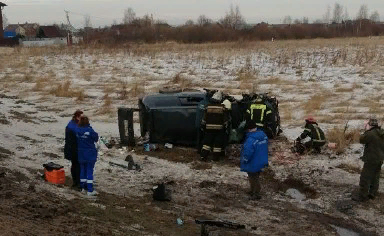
(310, 119)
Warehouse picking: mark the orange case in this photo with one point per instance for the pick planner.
(55, 176)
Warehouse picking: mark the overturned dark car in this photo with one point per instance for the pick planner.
(170, 117)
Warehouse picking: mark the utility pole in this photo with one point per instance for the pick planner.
(2, 5)
(70, 29)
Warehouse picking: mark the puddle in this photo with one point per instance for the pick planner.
(296, 194)
(344, 232)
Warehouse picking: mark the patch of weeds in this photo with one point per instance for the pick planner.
(8, 97)
(47, 135)
(65, 90)
(106, 108)
(6, 151)
(26, 138)
(315, 103)
(48, 109)
(3, 120)
(48, 120)
(353, 169)
(23, 117)
(51, 155)
(197, 165)
(342, 138)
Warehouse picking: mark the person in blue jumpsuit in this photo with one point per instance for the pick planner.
(254, 158)
(86, 139)
(70, 149)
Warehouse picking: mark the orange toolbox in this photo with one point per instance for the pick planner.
(54, 173)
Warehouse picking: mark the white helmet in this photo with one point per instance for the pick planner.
(227, 104)
(218, 96)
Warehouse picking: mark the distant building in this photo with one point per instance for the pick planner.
(9, 34)
(18, 29)
(50, 32)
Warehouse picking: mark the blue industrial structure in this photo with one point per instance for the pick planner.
(9, 34)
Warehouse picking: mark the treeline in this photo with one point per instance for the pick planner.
(233, 27)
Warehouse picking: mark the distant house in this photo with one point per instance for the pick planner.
(50, 32)
(30, 29)
(18, 29)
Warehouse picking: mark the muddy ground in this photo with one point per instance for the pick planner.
(32, 136)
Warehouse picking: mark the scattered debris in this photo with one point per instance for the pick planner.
(51, 155)
(150, 147)
(168, 145)
(344, 232)
(129, 166)
(161, 193)
(179, 221)
(220, 224)
(295, 194)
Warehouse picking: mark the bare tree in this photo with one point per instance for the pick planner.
(337, 13)
(233, 19)
(129, 16)
(363, 12)
(318, 21)
(5, 21)
(297, 21)
(327, 15)
(203, 21)
(375, 16)
(287, 20)
(87, 21)
(346, 14)
(189, 22)
(114, 22)
(305, 20)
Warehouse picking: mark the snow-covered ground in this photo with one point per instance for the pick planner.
(335, 80)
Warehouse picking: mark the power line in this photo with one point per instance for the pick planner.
(80, 14)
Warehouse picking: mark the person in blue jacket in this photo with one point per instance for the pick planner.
(86, 139)
(254, 157)
(70, 148)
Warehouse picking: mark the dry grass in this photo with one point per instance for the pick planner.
(287, 113)
(106, 108)
(136, 88)
(86, 74)
(315, 102)
(41, 84)
(28, 77)
(350, 168)
(122, 90)
(180, 82)
(343, 139)
(65, 90)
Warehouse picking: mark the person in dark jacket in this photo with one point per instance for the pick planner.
(86, 139)
(215, 123)
(373, 139)
(70, 148)
(254, 157)
(314, 133)
(258, 114)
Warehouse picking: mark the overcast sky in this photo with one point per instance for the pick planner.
(104, 12)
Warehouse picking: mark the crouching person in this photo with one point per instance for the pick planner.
(254, 157)
(87, 154)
